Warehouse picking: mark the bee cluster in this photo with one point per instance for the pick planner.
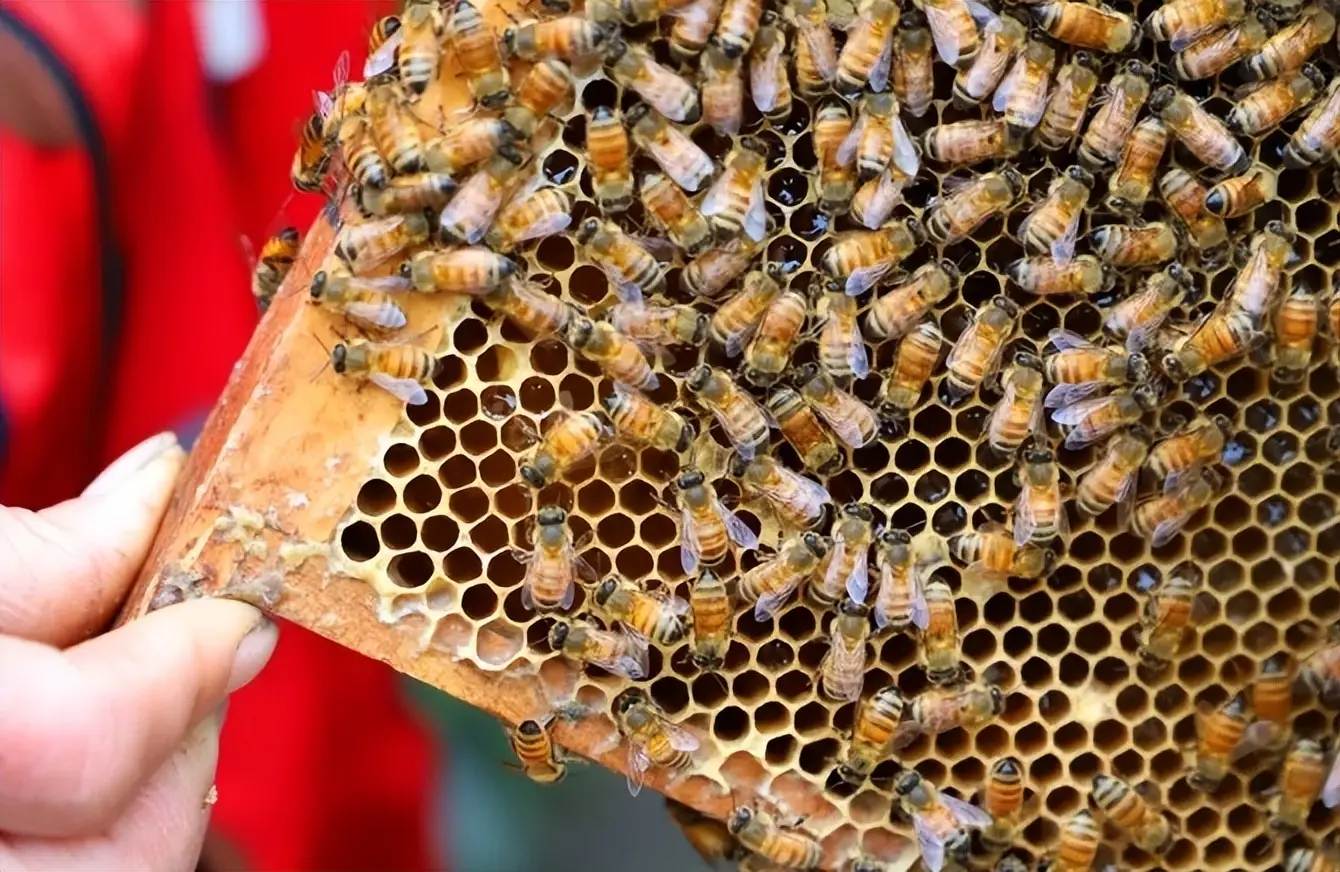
(831, 396)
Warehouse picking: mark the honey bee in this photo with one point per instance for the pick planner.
(553, 566)
(665, 91)
(866, 56)
(1319, 134)
(1257, 284)
(1094, 419)
(619, 357)
(915, 361)
(1003, 799)
(1181, 22)
(769, 80)
(900, 602)
(636, 12)
(383, 42)
(770, 584)
(779, 330)
(800, 426)
(470, 270)
(476, 48)
(658, 618)
(939, 821)
(991, 557)
(471, 212)
(1133, 179)
(783, 848)
(1204, 135)
(653, 324)
(652, 740)
(531, 309)
(465, 144)
(311, 160)
(1100, 28)
(393, 128)
(1290, 47)
(1080, 836)
(1211, 55)
(1078, 368)
(1307, 859)
(1300, 783)
(1163, 517)
(842, 351)
(366, 245)
(710, 609)
(911, 65)
(845, 572)
(547, 88)
(1001, 38)
(1135, 245)
(963, 143)
(835, 150)
(572, 439)
(634, 271)
(708, 526)
(1320, 672)
(1039, 510)
(1108, 130)
(1168, 615)
(421, 28)
(568, 38)
(816, 51)
(534, 747)
(734, 203)
(638, 420)
(798, 502)
(940, 640)
(400, 369)
(734, 322)
(842, 672)
(693, 28)
(955, 217)
(360, 154)
(975, 357)
(860, 258)
(406, 194)
(1043, 275)
(872, 735)
(1186, 199)
(1051, 227)
(1189, 449)
(1218, 733)
(1069, 101)
(273, 266)
(1126, 808)
(618, 652)
(366, 302)
(608, 154)
(706, 835)
(1296, 326)
(1271, 699)
(874, 202)
(712, 272)
(941, 709)
(1022, 96)
(1235, 197)
(1264, 106)
(738, 26)
(1112, 480)
(881, 140)
(721, 81)
(1019, 412)
(953, 29)
(676, 154)
(1137, 319)
(738, 413)
(543, 213)
(853, 421)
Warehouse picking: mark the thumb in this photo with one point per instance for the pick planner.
(65, 570)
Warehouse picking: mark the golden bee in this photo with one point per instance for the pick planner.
(665, 91)
(401, 369)
(911, 65)
(738, 413)
(1290, 47)
(881, 140)
(636, 12)
(393, 127)
(721, 82)
(542, 213)
(799, 502)
(842, 351)
(1137, 319)
(1212, 54)
(1018, 414)
(1106, 135)
(1235, 197)
(1080, 837)
(1081, 25)
(1135, 245)
(1263, 107)
(913, 365)
(1043, 275)
(1078, 368)
(853, 421)
(660, 325)
(842, 671)
(1022, 96)
(1325, 858)
(367, 302)
(1181, 22)
(975, 357)
(1131, 182)
(1320, 672)
(963, 143)
(707, 836)
(769, 79)
(573, 438)
(1219, 337)
(1189, 449)
(941, 822)
(1094, 419)
(1296, 327)
(711, 272)
(311, 160)
(770, 584)
(734, 203)
(1204, 135)
(404, 194)
(1271, 698)
(677, 155)
(693, 27)
(1185, 197)
(547, 89)
(900, 602)
(836, 157)
(608, 154)
(816, 50)
(638, 420)
(872, 735)
(1112, 480)
(1039, 510)
(738, 26)
(567, 38)
(1161, 518)
(800, 426)
(468, 142)
(783, 848)
(861, 258)
(366, 245)
(710, 609)
(538, 755)
(274, 263)
(421, 28)
(991, 557)
(955, 217)
(1003, 799)
(1076, 83)
(1051, 228)
(660, 618)
(652, 740)
(553, 565)
(1001, 38)
(1167, 617)
(953, 29)
(632, 269)
(466, 219)
(619, 357)
(476, 48)
(667, 205)
(735, 320)
(779, 330)
(1218, 733)
(1319, 133)
(1254, 291)
(470, 270)
(941, 709)
(360, 154)
(865, 57)
(708, 527)
(940, 642)
(1125, 807)
(1300, 784)
(846, 571)
(527, 306)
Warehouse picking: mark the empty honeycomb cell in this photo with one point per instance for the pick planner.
(410, 569)
(467, 504)
(425, 413)
(671, 694)
(1272, 511)
(1084, 766)
(1069, 737)
(536, 395)
(1299, 479)
(399, 532)
(817, 757)
(400, 459)
(469, 336)
(463, 564)
(771, 717)
(774, 656)
(1111, 671)
(359, 541)
(422, 494)
(376, 497)
(1053, 639)
(934, 422)
(479, 601)
(451, 371)
(479, 437)
(489, 535)
(1054, 706)
(1250, 543)
(780, 750)
(456, 472)
(436, 443)
(1325, 605)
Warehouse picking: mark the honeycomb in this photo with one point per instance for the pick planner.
(432, 531)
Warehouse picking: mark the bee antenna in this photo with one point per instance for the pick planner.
(326, 363)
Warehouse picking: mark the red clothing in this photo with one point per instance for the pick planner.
(124, 304)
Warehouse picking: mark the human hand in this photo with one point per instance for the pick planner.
(108, 744)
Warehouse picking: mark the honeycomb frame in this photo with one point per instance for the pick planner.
(390, 530)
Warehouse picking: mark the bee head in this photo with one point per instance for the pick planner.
(339, 354)
(739, 819)
(602, 113)
(510, 153)
(907, 781)
(1162, 96)
(852, 608)
(806, 373)
(738, 465)
(1179, 274)
(896, 536)
(690, 479)
(289, 235)
(1139, 68)
(318, 284)
(1212, 478)
(1038, 453)
(1077, 173)
(1028, 360)
(756, 145)
(1224, 424)
(913, 18)
(1174, 368)
(615, 49)
(1011, 308)
(917, 230)
(558, 634)
(636, 113)
(533, 476)
(606, 590)
(697, 378)
(1086, 59)
(529, 728)
(1015, 180)
(550, 516)
(775, 270)
(814, 543)
(1137, 368)
(590, 227)
(1147, 395)
(626, 700)
(860, 511)
(951, 271)
(1048, 563)
(509, 40)
(1008, 767)
(1314, 75)
(579, 331)
(1277, 228)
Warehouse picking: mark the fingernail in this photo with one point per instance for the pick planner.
(124, 467)
(253, 653)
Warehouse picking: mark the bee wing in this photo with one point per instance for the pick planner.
(1061, 396)
(763, 76)
(341, 72)
(980, 581)
(681, 739)
(1165, 531)
(857, 358)
(858, 581)
(1177, 476)
(738, 531)
(966, 814)
(688, 545)
(323, 103)
(1073, 416)
(905, 156)
(918, 611)
(383, 284)
(906, 733)
(1063, 246)
(384, 57)
(384, 317)
(944, 30)
(966, 339)
(847, 427)
(407, 390)
(769, 603)
(717, 197)
(865, 278)
(1025, 522)
(546, 226)
(1184, 40)
(879, 70)
(638, 764)
(1007, 85)
(823, 54)
(633, 663)
(1065, 340)
(756, 217)
(846, 150)
(983, 15)
(931, 844)
(1126, 499)
(1330, 792)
